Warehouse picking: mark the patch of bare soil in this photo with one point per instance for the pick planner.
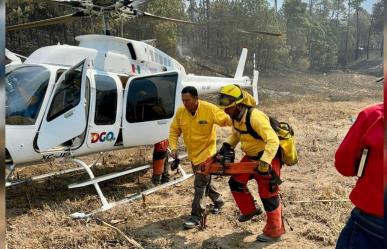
(321, 108)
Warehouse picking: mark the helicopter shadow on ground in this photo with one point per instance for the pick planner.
(170, 231)
(54, 191)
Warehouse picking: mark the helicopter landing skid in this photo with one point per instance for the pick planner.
(56, 173)
(105, 204)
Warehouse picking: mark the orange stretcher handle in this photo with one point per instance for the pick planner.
(212, 167)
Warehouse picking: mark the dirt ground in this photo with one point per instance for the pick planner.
(320, 107)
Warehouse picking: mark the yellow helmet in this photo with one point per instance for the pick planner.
(230, 95)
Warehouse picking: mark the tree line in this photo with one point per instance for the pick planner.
(317, 35)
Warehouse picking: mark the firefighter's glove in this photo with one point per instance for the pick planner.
(263, 168)
(226, 148)
(226, 154)
(175, 164)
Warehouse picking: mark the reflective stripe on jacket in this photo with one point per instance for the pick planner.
(252, 146)
(199, 133)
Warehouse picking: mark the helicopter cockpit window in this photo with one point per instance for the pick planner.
(106, 100)
(59, 73)
(152, 55)
(68, 94)
(151, 98)
(25, 91)
(157, 58)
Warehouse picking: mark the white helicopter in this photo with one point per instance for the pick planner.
(107, 93)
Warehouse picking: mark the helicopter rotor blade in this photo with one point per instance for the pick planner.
(149, 15)
(212, 69)
(71, 3)
(254, 32)
(47, 22)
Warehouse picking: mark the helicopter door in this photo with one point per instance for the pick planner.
(105, 114)
(65, 117)
(149, 105)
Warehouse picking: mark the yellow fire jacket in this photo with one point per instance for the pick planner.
(251, 146)
(199, 133)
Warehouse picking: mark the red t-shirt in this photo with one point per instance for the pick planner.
(366, 132)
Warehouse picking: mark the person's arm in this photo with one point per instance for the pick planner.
(261, 124)
(220, 117)
(174, 131)
(233, 140)
(350, 148)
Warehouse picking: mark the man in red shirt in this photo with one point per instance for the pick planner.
(365, 227)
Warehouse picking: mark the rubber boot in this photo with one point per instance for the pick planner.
(274, 227)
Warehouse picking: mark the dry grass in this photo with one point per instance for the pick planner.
(321, 108)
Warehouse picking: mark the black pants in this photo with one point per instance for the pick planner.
(203, 186)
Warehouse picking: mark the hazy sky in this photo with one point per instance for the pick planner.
(366, 4)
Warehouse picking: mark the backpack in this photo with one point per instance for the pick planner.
(285, 133)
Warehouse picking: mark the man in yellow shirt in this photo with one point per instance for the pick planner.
(196, 121)
(261, 148)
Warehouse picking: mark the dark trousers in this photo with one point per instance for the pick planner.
(362, 231)
(203, 187)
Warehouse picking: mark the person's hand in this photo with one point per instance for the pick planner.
(226, 154)
(263, 168)
(173, 154)
(175, 163)
(225, 149)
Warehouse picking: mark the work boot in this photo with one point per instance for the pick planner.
(266, 239)
(218, 205)
(165, 178)
(247, 217)
(156, 180)
(192, 222)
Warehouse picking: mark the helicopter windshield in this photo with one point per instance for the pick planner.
(25, 91)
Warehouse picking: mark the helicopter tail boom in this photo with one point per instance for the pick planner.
(210, 84)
